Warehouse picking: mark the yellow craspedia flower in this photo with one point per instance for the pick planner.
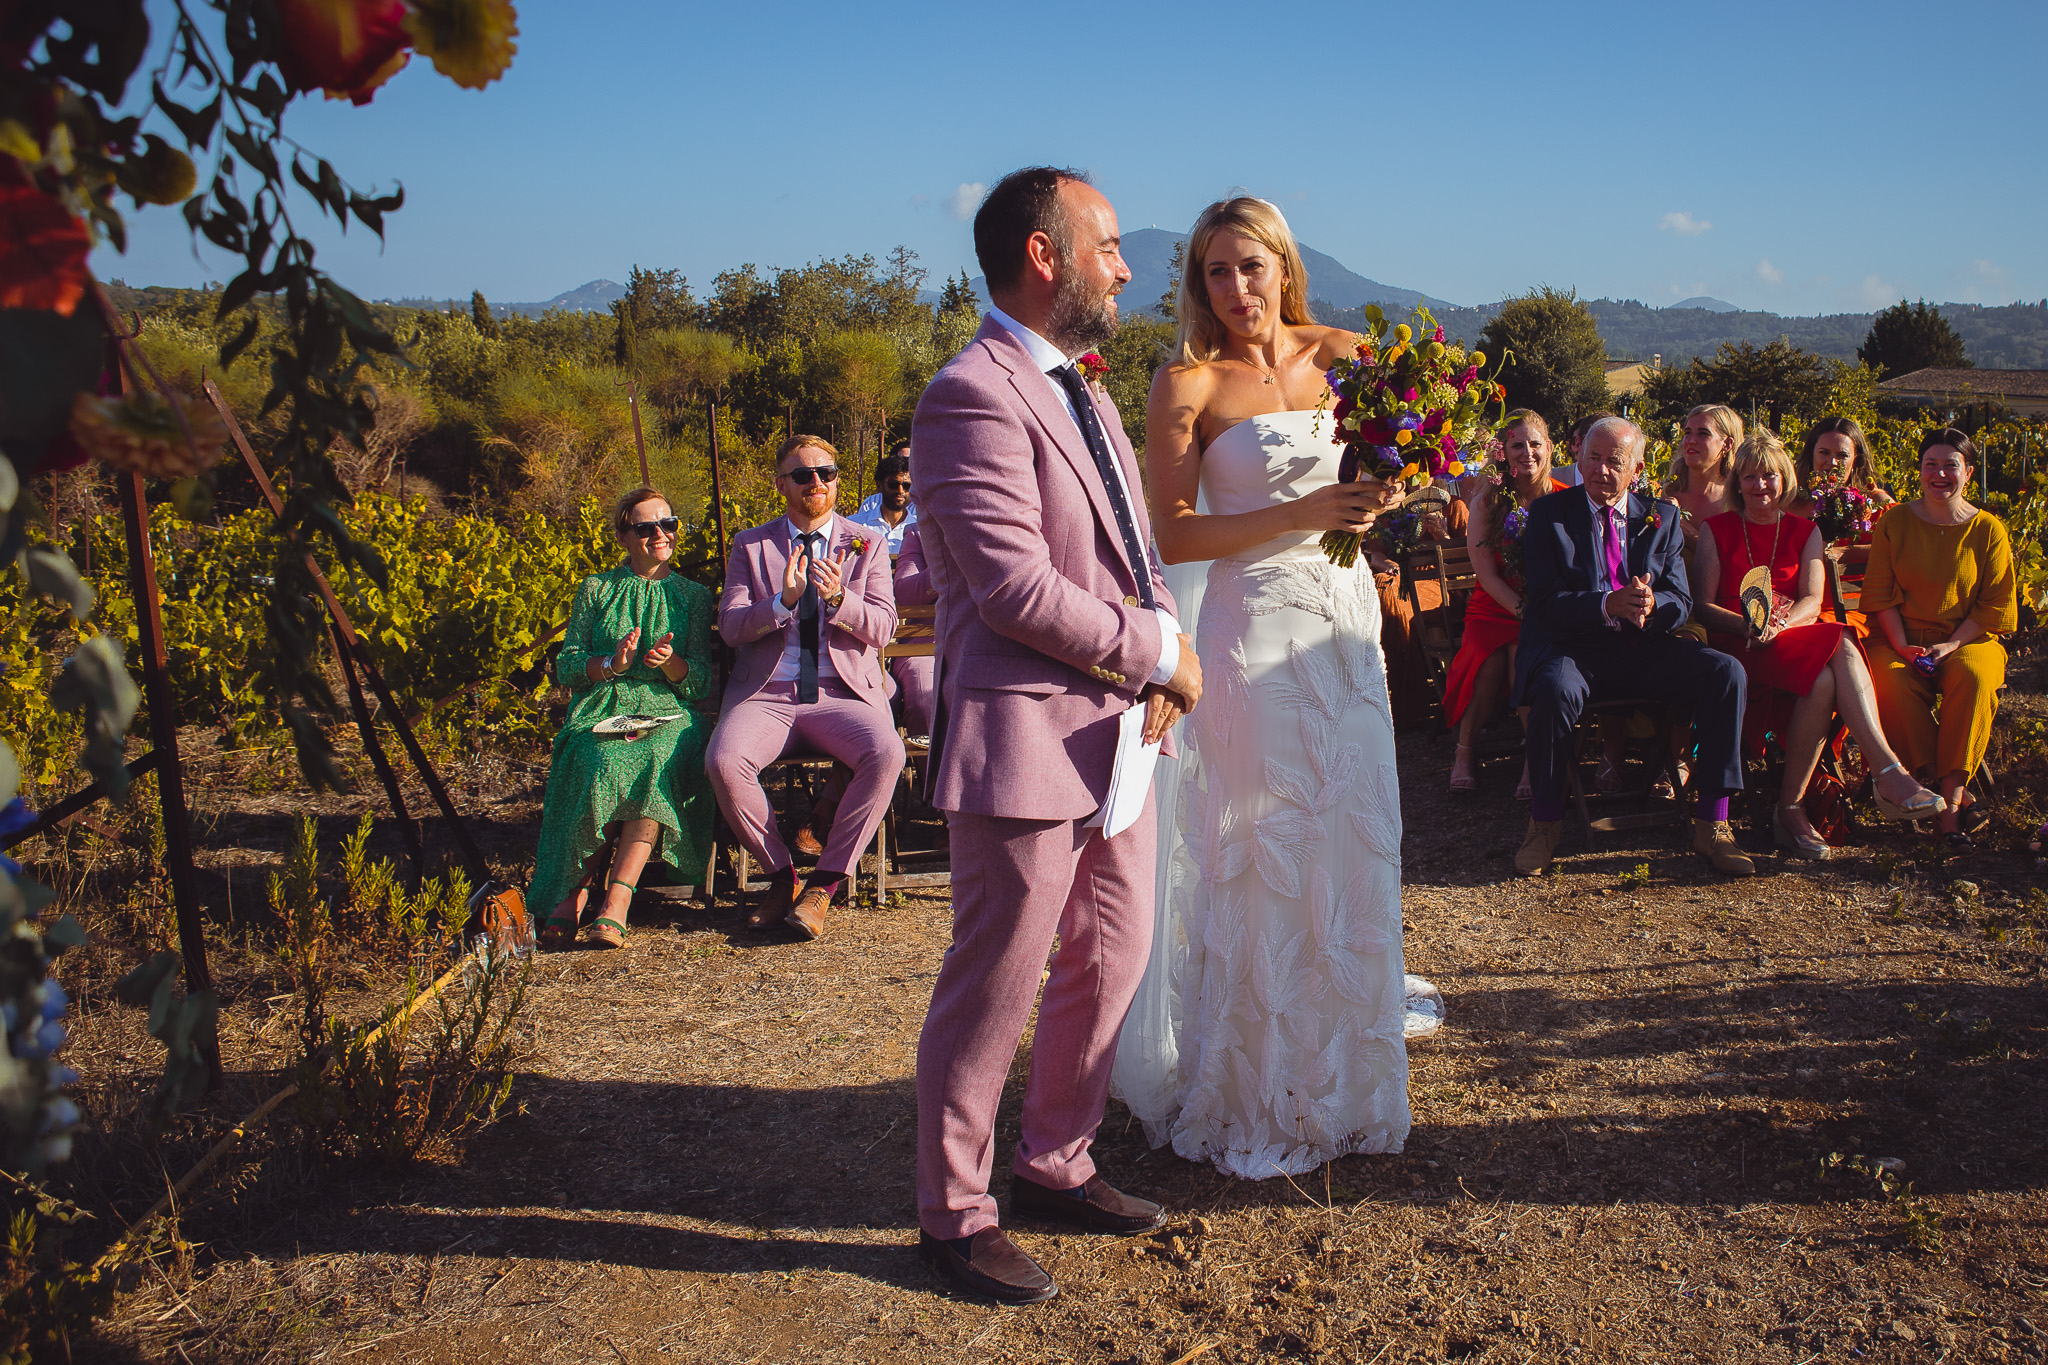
(1436, 350)
(470, 41)
(1403, 437)
(1477, 357)
(1403, 332)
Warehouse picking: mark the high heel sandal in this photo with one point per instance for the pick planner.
(1607, 777)
(559, 930)
(1467, 783)
(606, 932)
(1522, 789)
(1925, 805)
(1810, 846)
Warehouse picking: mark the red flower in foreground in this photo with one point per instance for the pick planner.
(345, 47)
(42, 252)
(1093, 366)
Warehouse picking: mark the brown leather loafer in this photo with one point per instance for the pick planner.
(772, 906)
(994, 1268)
(1100, 1207)
(807, 843)
(807, 916)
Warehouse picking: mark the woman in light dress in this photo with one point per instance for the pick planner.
(1268, 1036)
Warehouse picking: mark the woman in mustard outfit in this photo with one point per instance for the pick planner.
(638, 644)
(1941, 590)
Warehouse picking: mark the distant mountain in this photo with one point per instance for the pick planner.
(1332, 285)
(594, 297)
(1701, 301)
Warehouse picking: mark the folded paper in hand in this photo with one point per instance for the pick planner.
(1131, 778)
(630, 725)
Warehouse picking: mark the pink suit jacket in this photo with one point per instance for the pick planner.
(1042, 642)
(854, 634)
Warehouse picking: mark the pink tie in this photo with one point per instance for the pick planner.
(1617, 549)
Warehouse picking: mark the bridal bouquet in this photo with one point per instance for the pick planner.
(1841, 511)
(1408, 404)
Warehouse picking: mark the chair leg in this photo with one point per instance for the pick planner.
(882, 862)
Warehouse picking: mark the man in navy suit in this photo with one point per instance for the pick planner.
(1606, 588)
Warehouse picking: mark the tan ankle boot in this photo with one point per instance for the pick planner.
(1715, 841)
(1539, 847)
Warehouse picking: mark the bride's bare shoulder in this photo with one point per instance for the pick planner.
(1330, 342)
(1184, 382)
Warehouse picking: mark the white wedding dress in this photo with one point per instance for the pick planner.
(1267, 1037)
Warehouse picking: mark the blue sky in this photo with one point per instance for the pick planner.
(1797, 157)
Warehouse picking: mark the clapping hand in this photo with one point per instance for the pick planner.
(660, 652)
(1633, 602)
(622, 659)
(828, 575)
(792, 580)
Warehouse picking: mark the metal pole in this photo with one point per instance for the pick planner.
(163, 741)
(717, 487)
(473, 859)
(407, 825)
(639, 441)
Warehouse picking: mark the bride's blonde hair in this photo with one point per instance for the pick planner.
(1200, 338)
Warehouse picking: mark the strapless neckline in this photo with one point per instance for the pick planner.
(1260, 416)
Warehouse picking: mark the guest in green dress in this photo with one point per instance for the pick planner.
(617, 800)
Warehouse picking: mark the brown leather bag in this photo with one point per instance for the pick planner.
(498, 913)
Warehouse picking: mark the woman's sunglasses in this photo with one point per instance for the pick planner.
(646, 529)
(804, 475)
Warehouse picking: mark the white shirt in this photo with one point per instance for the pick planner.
(791, 662)
(869, 513)
(1048, 358)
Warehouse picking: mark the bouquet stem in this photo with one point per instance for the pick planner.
(1341, 547)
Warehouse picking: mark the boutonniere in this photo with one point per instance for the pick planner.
(1093, 367)
(858, 544)
(1652, 519)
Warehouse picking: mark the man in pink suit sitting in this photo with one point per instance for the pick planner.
(808, 605)
(1053, 621)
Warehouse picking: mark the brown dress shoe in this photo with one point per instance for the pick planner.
(994, 1267)
(807, 843)
(807, 916)
(772, 906)
(1099, 1207)
(1715, 841)
(1539, 847)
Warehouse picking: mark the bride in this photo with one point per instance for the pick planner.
(1267, 1037)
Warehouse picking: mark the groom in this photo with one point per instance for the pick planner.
(1053, 620)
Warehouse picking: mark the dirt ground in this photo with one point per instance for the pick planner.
(1654, 1127)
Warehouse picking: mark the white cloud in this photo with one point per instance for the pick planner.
(1873, 293)
(1983, 281)
(1687, 291)
(1769, 273)
(965, 199)
(1684, 224)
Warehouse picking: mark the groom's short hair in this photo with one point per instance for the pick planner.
(1023, 202)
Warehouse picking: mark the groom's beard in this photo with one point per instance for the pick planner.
(1080, 321)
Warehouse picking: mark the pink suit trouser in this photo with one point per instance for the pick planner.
(771, 723)
(1015, 884)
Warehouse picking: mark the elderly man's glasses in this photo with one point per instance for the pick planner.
(646, 529)
(804, 475)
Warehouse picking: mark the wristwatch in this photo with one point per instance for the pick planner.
(835, 599)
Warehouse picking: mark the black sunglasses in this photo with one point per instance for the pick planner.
(646, 529)
(804, 475)
(902, 484)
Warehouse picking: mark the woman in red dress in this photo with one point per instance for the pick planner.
(1476, 687)
(1816, 661)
